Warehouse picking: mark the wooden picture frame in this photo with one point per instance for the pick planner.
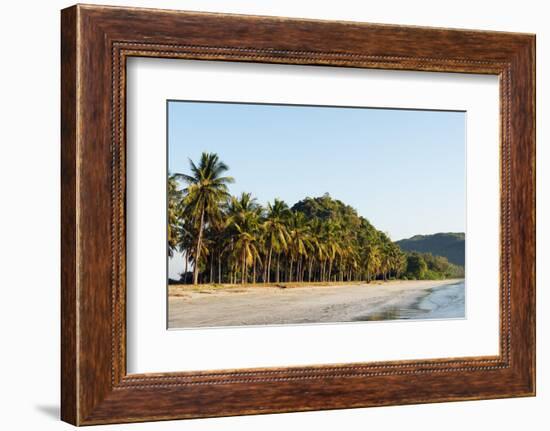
(95, 43)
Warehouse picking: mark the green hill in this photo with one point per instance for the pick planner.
(449, 245)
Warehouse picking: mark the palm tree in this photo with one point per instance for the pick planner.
(275, 231)
(397, 260)
(318, 248)
(298, 243)
(186, 241)
(245, 247)
(373, 260)
(206, 190)
(313, 252)
(174, 213)
(331, 243)
(244, 223)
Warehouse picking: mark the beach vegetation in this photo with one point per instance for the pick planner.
(229, 239)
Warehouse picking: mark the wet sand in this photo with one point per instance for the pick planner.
(208, 306)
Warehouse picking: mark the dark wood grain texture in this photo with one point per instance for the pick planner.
(96, 41)
(69, 397)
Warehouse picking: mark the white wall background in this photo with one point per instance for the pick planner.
(29, 226)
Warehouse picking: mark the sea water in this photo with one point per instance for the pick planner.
(444, 302)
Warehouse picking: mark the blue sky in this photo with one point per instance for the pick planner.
(404, 170)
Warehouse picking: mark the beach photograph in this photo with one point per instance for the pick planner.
(301, 214)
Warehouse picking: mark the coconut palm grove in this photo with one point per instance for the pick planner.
(226, 239)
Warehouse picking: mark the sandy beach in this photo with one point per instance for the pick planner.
(211, 306)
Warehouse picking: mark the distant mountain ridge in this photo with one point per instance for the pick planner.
(449, 245)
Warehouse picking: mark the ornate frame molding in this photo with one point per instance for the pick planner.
(96, 41)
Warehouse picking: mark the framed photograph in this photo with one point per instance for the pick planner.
(265, 215)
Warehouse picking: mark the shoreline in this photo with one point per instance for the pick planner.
(305, 284)
(242, 305)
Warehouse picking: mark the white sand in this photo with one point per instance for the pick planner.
(258, 305)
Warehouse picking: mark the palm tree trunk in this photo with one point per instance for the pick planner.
(219, 268)
(290, 271)
(254, 271)
(211, 279)
(198, 250)
(186, 264)
(268, 269)
(243, 266)
(278, 267)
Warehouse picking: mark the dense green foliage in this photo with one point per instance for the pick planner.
(230, 239)
(426, 266)
(449, 245)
